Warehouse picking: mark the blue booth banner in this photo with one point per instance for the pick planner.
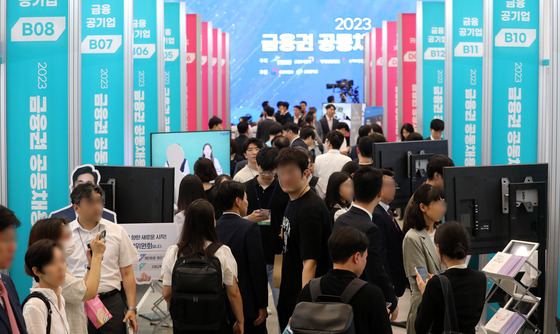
(515, 78)
(173, 68)
(102, 82)
(145, 98)
(466, 43)
(37, 116)
(431, 58)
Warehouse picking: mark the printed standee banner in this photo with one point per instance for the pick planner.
(378, 47)
(406, 32)
(463, 77)
(226, 81)
(173, 72)
(390, 79)
(194, 69)
(216, 72)
(103, 81)
(37, 68)
(430, 62)
(368, 69)
(207, 77)
(373, 69)
(515, 81)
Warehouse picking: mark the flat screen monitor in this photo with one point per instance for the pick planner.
(138, 194)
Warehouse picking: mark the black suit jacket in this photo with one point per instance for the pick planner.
(299, 143)
(391, 237)
(325, 126)
(16, 308)
(428, 138)
(375, 270)
(263, 129)
(241, 140)
(243, 237)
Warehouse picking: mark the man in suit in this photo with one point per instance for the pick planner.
(82, 174)
(11, 317)
(368, 183)
(291, 131)
(391, 235)
(283, 115)
(244, 239)
(243, 129)
(263, 128)
(436, 129)
(328, 122)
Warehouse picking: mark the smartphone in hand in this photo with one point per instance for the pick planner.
(423, 273)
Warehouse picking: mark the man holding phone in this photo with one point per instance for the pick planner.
(119, 256)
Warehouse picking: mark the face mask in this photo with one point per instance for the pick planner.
(69, 247)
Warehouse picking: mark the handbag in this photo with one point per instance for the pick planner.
(450, 325)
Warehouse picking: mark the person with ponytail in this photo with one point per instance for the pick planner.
(468, 285)
(422, 217)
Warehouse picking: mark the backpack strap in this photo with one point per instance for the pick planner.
(41, 296)
(313, 182)
(450, 317)
(351, 290)
(315, 289)
(213, 248)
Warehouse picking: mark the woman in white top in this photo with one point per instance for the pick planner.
(45, 262)
(199, 231)
(74, 290)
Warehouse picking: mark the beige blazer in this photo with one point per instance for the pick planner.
(418, 251)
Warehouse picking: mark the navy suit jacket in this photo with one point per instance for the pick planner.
(16, 308)
(375, 270)
(69, 213)
(299, 143)
(243, 237)
(391, 246)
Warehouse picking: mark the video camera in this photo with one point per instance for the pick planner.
(346, 89)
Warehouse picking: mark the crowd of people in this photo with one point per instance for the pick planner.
(301, 203)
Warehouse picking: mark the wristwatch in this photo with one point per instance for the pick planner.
(133, 309)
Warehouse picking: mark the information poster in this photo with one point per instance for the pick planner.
(145, 98)
(172, 34)
(206, 62)
(37, 117)
(515, 81)
(430, 62)
(406, 26)
(194, 95)
(466, 42)
(102, 82)
(390, 80)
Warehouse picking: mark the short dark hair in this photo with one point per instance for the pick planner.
(286, 104)
(214, 121)
(345, 242)
(378, 138)
(343, 125)
(255, 141)
(280, 142)
(84, 170)
(275, 129)
(387, 172)
(436, 165)
(226, 194)
(243, 127)
(332, 196)
(307, 132)
(328, 106)
(84, 190)
(437, 124)
(312, 110)
(269, 111)
(311, 156)
(408, 127)
(264, 104)
(310, 118)
(368, 182)
(414, 217)
(364, 130)
(8, 219)
(413, 136)
(350, 167)
(330, 99)
(365, 145)
(303, 102)
(297, 107)
(291, 126)
(39, 255)
(266, 158)
(293, 156)
(335, 138)
(48, 228)
(205, 170)
(233, 146)
(190, 190)
(377, 128)
(280, 103)
(453, 240)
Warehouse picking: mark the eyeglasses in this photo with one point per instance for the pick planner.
(270, 174)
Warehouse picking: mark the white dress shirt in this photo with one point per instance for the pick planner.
(330, 123)
(119, 253)
(384, 206)
(330, 162)
(35, 314)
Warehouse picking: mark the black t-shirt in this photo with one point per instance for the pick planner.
(306, 227)
(275, 200)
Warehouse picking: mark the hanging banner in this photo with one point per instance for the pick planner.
(173, 72)
(515, 77)
(194, 79)
(368, 69)
(216, 71)
(102, 82)
(430, 32)
(37, 116)
(465, 39)
(206, 63)
(390, 79)
(406, 31)
(378, 45)
(225, 81)
(145, 98)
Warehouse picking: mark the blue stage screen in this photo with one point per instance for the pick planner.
(289, 50)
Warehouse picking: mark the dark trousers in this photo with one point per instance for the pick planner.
(115, 325)
(285, 311)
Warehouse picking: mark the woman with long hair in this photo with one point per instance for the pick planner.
(190, 190)
(419, 250)
(340, 193)
(406, 129)
(199, 232)
(208, 153)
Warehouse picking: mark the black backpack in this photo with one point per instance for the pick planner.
(41, 296)
(198, 301)
(326, 317)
